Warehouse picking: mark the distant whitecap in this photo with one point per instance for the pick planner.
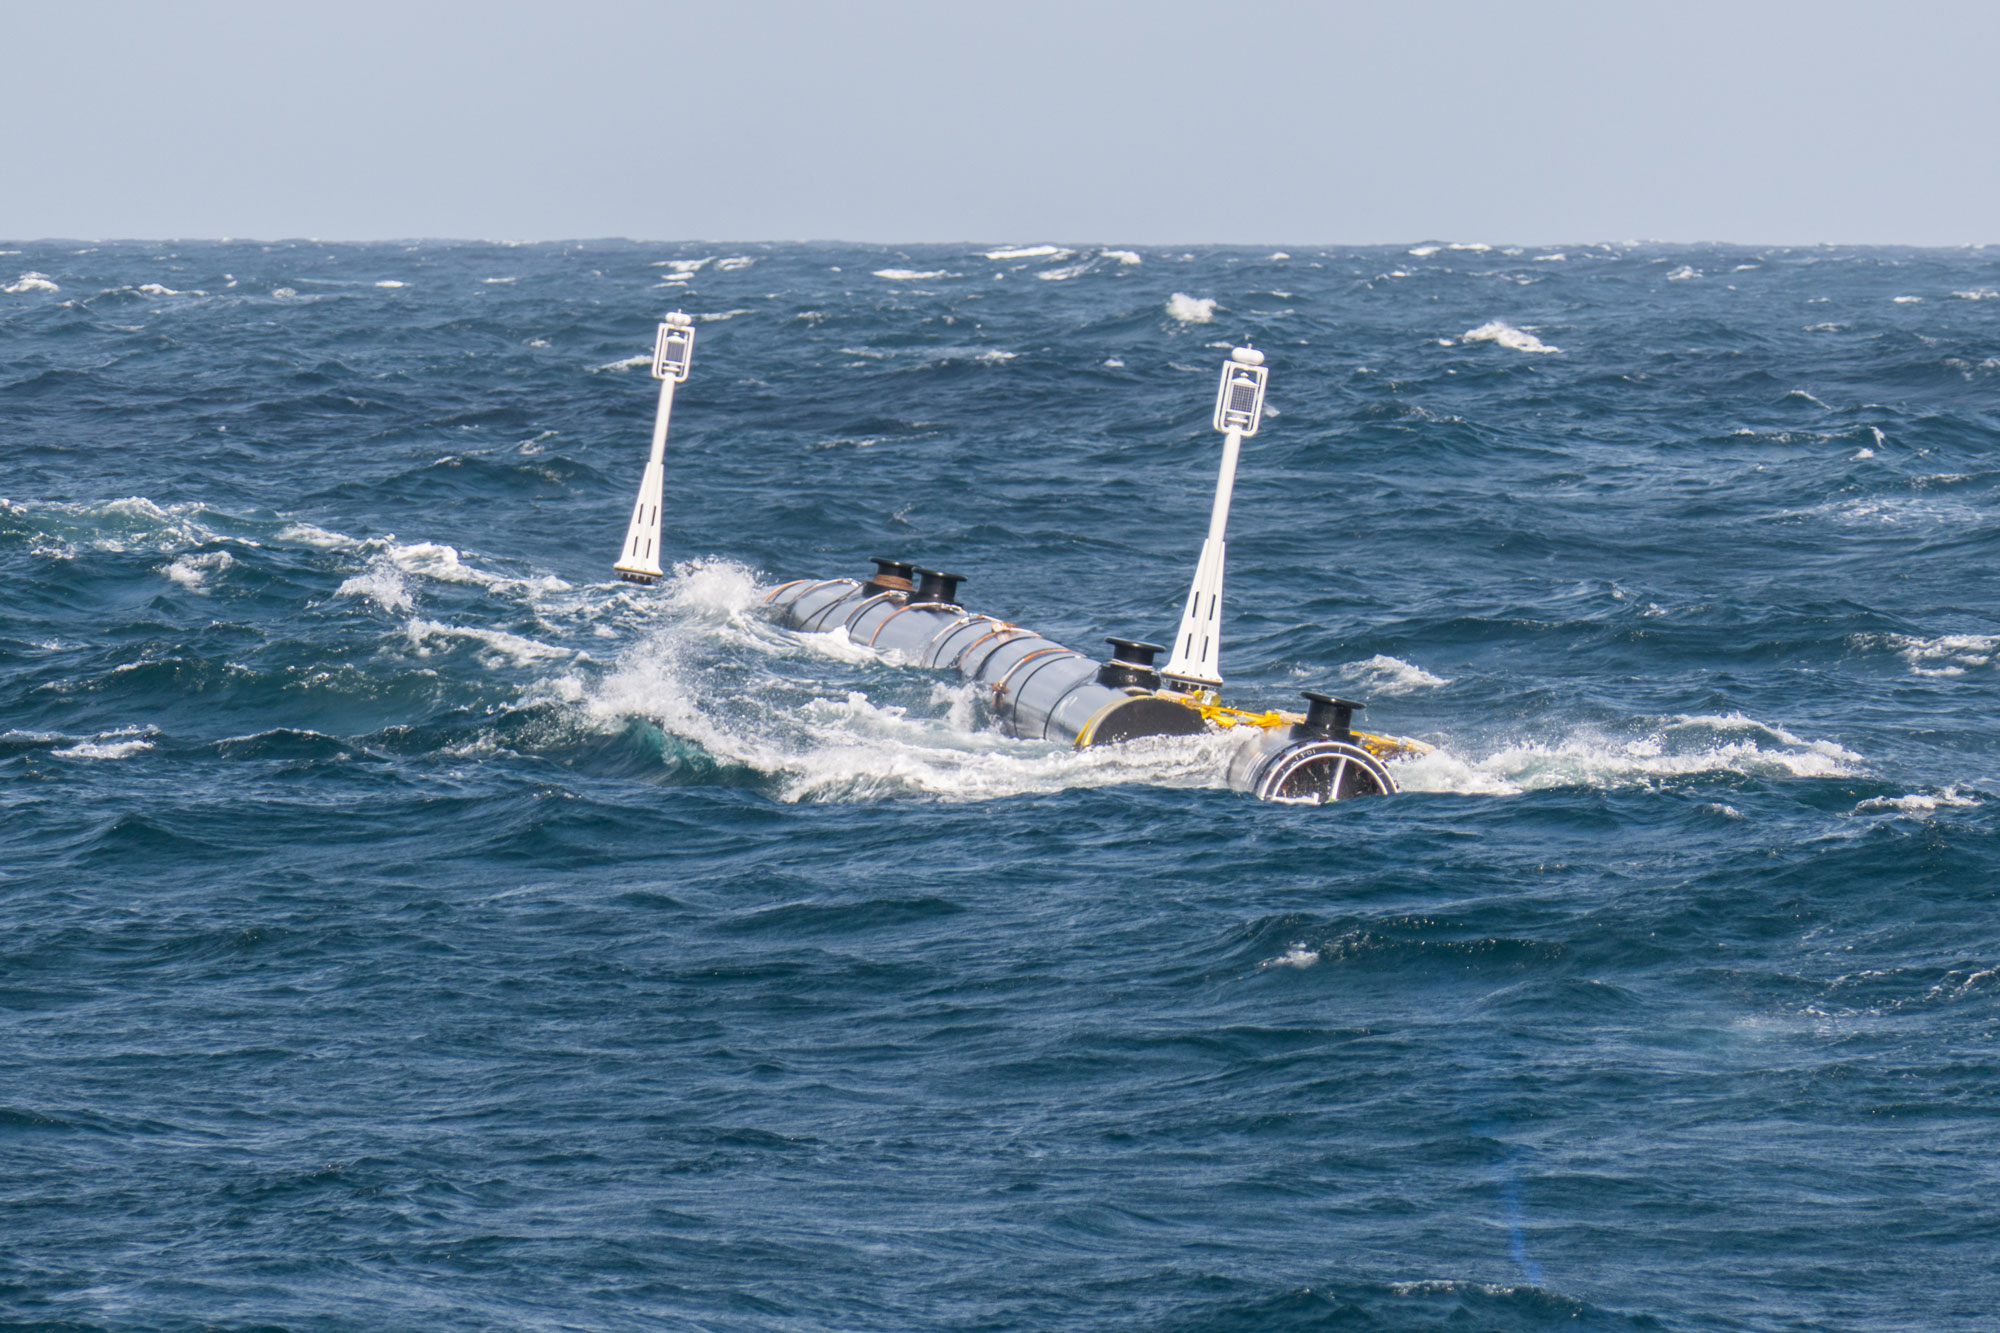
(1501, 332)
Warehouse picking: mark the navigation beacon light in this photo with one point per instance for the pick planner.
(673, 351)
(1239, 406)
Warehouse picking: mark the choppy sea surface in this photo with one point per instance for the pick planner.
(409, 926)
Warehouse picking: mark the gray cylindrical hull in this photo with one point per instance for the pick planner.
(1039, 689)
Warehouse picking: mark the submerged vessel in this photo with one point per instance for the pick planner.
(1038, 689)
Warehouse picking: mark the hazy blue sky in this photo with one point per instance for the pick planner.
(864, 120)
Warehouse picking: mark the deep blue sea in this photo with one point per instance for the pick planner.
(408, 926)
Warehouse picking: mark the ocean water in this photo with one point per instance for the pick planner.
(409, 926)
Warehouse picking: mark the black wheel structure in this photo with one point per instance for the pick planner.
(1322, 772)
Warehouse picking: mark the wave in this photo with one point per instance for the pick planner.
(384, 587)
(120, 744)
(192, 571)
(1191, 309)
(498, 645)
(1679, 747)
(385, 583)
(1505, 334)
(62, 530)
(1920, 803)
(1941, 656)
(1028, 252)
(30, 282)
(1382, 674)
(912, 275)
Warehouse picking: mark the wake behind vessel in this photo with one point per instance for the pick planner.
(1038, 689)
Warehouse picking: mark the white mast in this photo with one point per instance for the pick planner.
(1239, 403)
(673, 348)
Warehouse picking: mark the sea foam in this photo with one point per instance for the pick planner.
(1505, 334)
(1028, 252)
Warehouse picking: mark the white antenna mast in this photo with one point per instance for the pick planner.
(1239, 404)
(673, 348)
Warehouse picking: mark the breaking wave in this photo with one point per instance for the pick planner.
(1506, 335)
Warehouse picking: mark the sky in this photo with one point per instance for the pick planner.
(1164, 122)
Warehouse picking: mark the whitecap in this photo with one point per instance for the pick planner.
(434, 560)
(192, 571)
(391, 282)
(380, 585)
(1126, 258)
(1943, 656)
(311, 535)
(496, 645)
(30, 282)
(120, 744)
(1425, 251)
(734, 263)
(1684, 273)
(629, 363)
(1027, 252)
(1978, 294)
(1064, 274)
(1917, 803)
(1191, 309)
(1678, 747)
(912, 275)
(131, 524)
(1505, 334)
(722, 587)
(1382, 674)
(1907, 300)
